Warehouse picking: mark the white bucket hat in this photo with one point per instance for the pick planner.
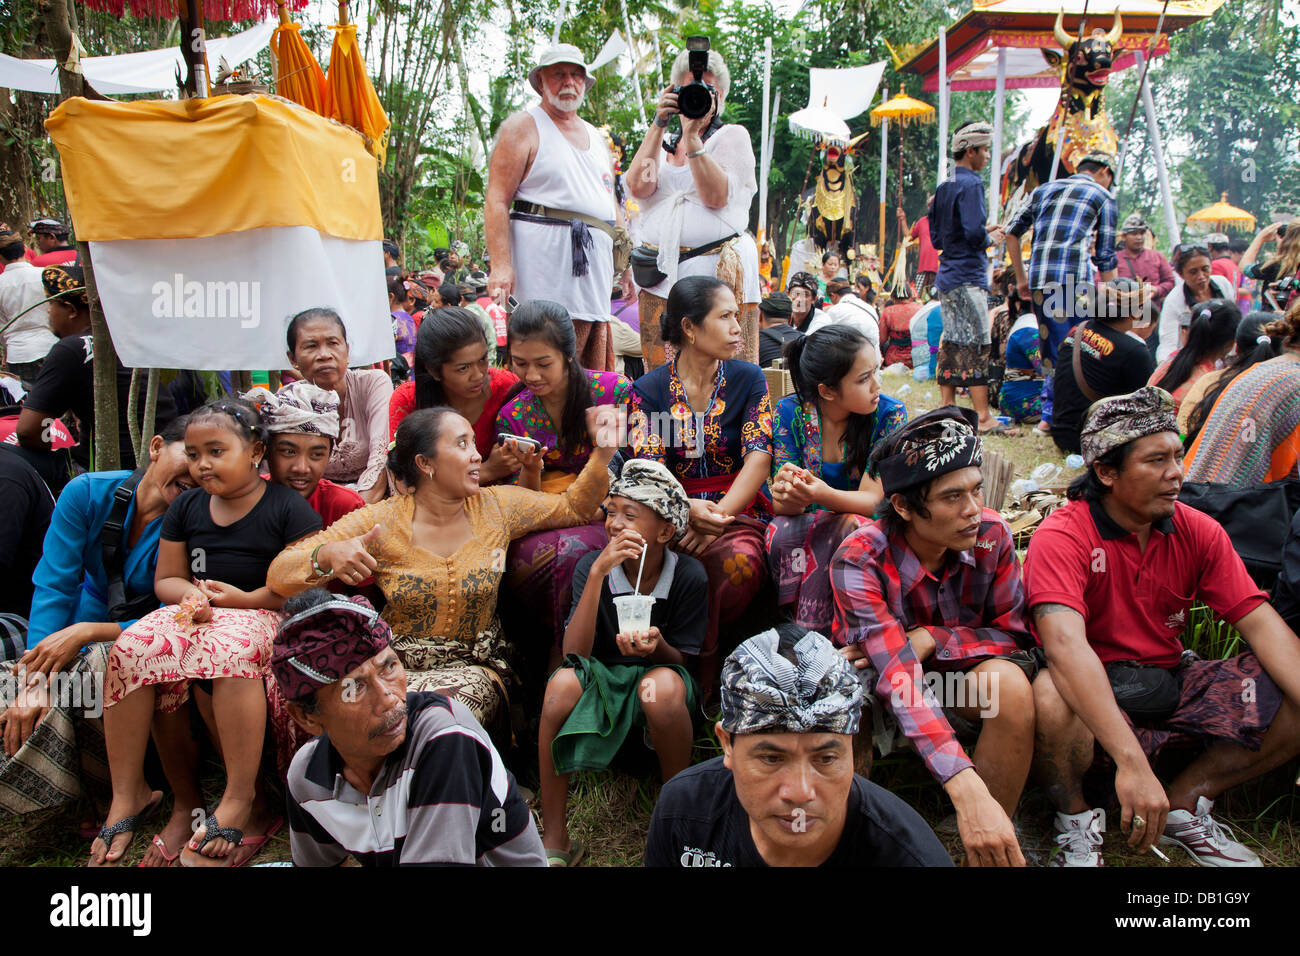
(559, 53)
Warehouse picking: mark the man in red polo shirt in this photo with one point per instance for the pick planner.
(930, 597)
(1111, 578)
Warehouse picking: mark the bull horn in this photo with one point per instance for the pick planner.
(1063, 38)
(1116, 31)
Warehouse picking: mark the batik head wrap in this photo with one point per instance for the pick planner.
(780, 684)
(323, 644)
(300, 408)
(1112, 422)
(653, 485)
(944, 440)
(68, 283)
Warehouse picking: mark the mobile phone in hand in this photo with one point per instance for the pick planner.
(530, 444)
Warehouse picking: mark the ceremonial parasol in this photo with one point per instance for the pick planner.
(902, 109)
(819, 123)
(1221, 215)
(353, 97)
(298, 75)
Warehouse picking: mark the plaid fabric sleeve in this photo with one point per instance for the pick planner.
(863, 617)
(1006, 629)
(1105, 258)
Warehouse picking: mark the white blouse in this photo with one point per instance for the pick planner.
(675, 215)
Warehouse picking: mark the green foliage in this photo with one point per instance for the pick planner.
(1228, 102)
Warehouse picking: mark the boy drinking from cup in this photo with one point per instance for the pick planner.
(618, 672)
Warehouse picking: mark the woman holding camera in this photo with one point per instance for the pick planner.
(695, 190)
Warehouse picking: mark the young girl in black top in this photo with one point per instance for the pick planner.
(215, 628)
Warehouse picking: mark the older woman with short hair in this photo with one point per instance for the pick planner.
(318, 350)
(695, 189)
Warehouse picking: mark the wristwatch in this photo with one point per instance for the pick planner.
(661, 123)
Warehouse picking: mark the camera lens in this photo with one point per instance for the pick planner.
(695, 100)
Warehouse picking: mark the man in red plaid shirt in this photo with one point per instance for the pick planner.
(930, 598)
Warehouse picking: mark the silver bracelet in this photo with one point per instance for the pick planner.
(698, 152)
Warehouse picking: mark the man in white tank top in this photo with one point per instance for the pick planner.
(550, 205)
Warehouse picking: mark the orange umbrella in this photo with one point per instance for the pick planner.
(1220, 215)
(354, 100)
(298, 75)
(903, 110)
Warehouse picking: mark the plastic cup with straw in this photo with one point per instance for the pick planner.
(634, 609)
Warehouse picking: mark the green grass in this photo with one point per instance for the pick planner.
(1026, 450)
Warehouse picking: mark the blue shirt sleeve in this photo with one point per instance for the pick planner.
(62, 567)
(972, 213)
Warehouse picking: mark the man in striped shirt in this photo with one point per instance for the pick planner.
(393, 779)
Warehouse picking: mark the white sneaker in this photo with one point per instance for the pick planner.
(1209, 842)
(1079, 837)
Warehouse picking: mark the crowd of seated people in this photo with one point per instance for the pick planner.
(360, 623)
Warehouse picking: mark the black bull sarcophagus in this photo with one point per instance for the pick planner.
(1085, 71)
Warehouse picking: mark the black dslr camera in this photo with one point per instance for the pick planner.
(697, 98)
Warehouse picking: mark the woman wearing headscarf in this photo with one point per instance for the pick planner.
(695, 190)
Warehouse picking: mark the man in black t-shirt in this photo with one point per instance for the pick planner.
(66, 382)
(784, 792)
(1113, 361)
(775, 329)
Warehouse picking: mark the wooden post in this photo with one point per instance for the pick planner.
(106, 449)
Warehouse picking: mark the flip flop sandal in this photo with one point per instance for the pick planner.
(1008, 431)
(565, 858)
(158, 843)
(126, 825)
(212, 830)
(258, 842)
